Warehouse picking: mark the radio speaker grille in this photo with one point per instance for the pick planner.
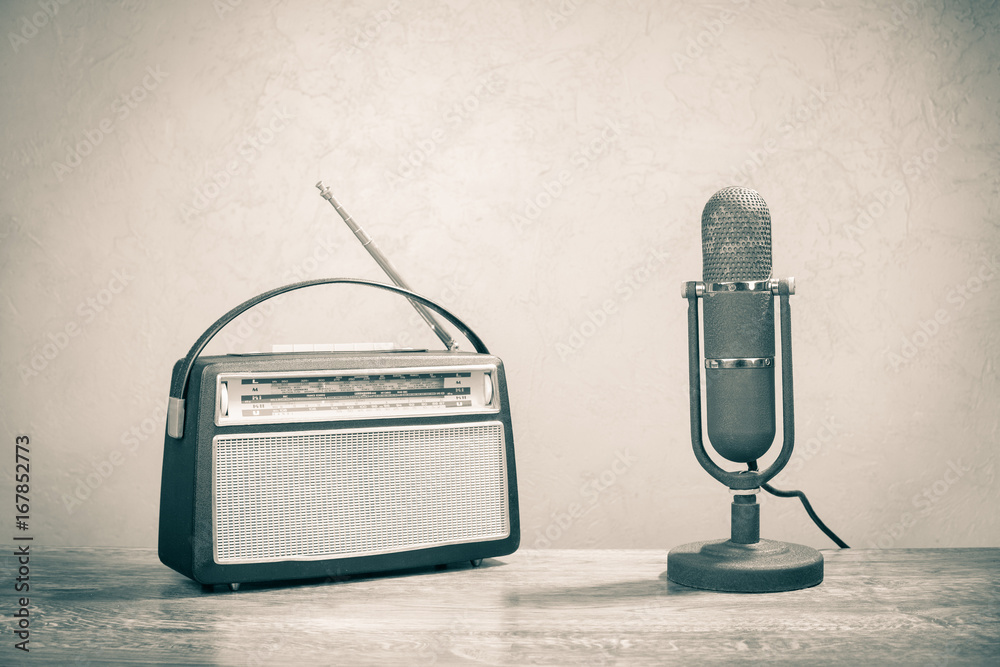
(344, 493)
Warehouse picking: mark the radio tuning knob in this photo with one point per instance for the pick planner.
(224, 399)
(487, 389)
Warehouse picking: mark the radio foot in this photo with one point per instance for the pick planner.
(476, 562)
(234, 587)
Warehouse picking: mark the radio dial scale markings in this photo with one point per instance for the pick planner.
(294, 396)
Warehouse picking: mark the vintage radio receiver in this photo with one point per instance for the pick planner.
(324, 464)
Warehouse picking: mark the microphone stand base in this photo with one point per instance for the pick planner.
(765, 566)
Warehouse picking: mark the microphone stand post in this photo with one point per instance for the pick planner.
(744, 563)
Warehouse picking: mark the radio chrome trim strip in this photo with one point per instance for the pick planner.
(506, 496)
(758, 362)
(225, 418)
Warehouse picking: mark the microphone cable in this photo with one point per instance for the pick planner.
(752, 466)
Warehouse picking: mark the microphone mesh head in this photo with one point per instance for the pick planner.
(736, 237)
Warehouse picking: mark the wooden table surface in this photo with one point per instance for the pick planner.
(595, 607)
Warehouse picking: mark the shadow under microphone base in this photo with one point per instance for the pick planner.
(745, 563)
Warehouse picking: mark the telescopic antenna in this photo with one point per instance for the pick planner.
(383, 261)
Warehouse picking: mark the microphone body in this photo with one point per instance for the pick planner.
(739, 324)
(739, 373)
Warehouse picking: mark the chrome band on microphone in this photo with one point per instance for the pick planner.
(758, 362)
(772, 285)
(740, 286)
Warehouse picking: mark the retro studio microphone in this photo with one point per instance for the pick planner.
(738, 293)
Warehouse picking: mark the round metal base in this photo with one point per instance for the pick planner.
(764, 567)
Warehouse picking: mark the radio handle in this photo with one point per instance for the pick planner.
(179, 380)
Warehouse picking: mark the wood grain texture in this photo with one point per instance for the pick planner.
(901, 606)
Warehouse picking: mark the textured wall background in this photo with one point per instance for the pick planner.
(540, 167)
